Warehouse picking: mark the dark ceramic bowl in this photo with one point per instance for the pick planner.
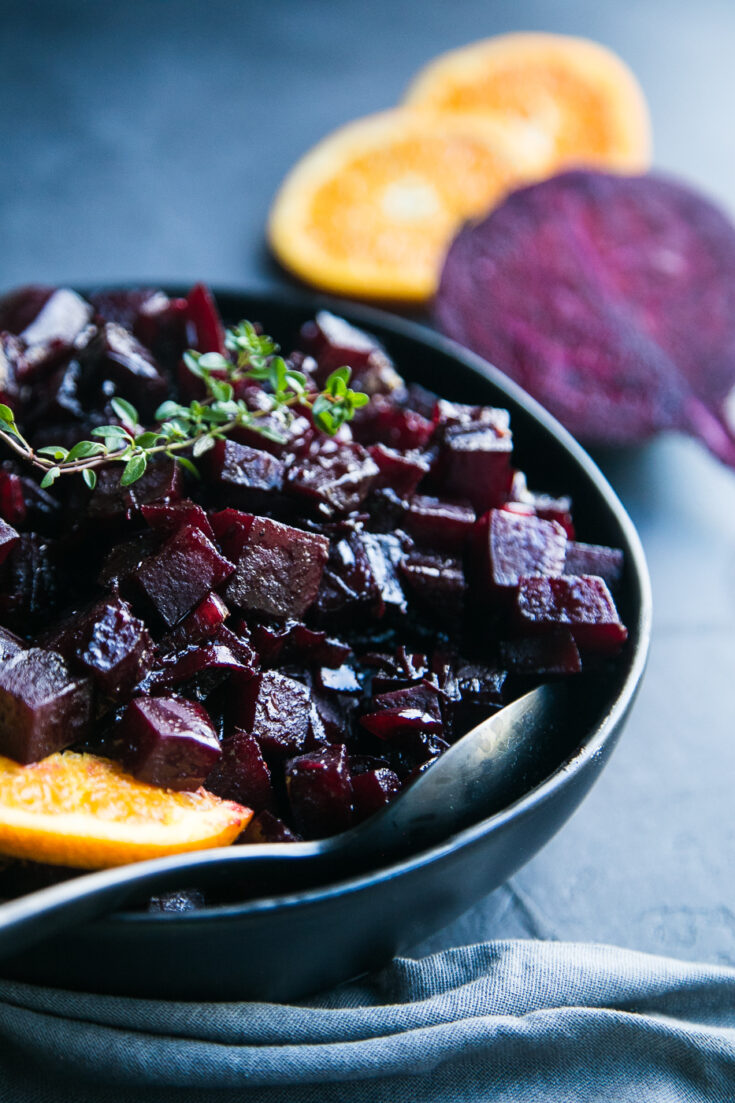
(286, 946)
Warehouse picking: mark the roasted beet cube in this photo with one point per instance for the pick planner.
(333, 342)
(181, 574)
(205, 665)
(247, 477)
(508, 545)
(581, 603)
(10, 644)
(400, 471)
(30, 584)
(320, 791)
(162, 481)
(405, 710)
(541, 505)
(373, 789)
(384, 421)
(232, 528)
(168, 741)
(267, 828)
(363, 574)
(279, 569)
(203, 321)
(337, 476)
(275, 709)
(20, 306)
(474, 461)
(201, 623)
(445, 526)
(167, 517)
(606, 563)
(436, 582)
(241, 774)
(43, 708)
(116, 355)
(51, 334)
(125, 558)
(8, 538)
(555, 653)
(109, 644)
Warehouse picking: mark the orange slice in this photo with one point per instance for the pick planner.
(579, 93)
(371, 210)
(82, 811)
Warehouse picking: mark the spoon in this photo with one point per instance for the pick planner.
(483, 772)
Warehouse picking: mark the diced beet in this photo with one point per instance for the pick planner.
(8, 539)
(411, 749)
(383, 421)
(474, 460)
(246, 477)
(19, 307)
(320, 791)
(555, 653)
(241, 774)
(362, 574)
(43, 708)
(122, 305)
(182, 573)
(279, 569)
(337, 476)
(30, 590)
(161, 482)
(168, 741)
(125, 558)
(400, 471)
(541, 505)
(508, 545)
(51, 334)
(267, 828)
(336, 713)
(24, 504)
(581, 603)
(341, 679)
(436, 582)
(405, 710)
(205, 664)
(397, 671)
(295, 641)
(334, 342)
(12, 500)
(157, 321)
(596, 559)
(10, 644)
(201, 623)
(119, 357)
(167, 517)
(231, 527)
(275, 709)
(207, 331)
(109, 644)
(373, 789)
(445, 526)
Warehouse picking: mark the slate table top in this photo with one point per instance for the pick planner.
(144, 141)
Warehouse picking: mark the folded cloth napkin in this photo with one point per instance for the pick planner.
(510, 1022)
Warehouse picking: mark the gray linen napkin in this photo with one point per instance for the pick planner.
(510, 1022)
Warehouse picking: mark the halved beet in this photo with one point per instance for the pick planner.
(181, 574)
(320, 791)
(582, 604)
(43, 708)
(594, 559)
(275, 709)
(279, 568)
(107, 643)
(610, 298)
(241, 774)
(168, 741)
(507, 545)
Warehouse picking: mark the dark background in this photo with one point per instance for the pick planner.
(145, 140)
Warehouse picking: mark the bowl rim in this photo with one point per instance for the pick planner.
(368, 317)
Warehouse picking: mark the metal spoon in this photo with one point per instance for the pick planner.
(485, 771)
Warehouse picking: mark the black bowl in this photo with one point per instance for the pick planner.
(289, 945)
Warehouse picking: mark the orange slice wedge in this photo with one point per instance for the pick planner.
(82, 811)
(371, 209)
(578, 92)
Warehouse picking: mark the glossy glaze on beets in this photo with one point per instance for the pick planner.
(311, 623)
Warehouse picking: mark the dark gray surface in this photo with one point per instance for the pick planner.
(145, 141)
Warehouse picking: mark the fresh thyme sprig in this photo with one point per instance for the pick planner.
(196, 427)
